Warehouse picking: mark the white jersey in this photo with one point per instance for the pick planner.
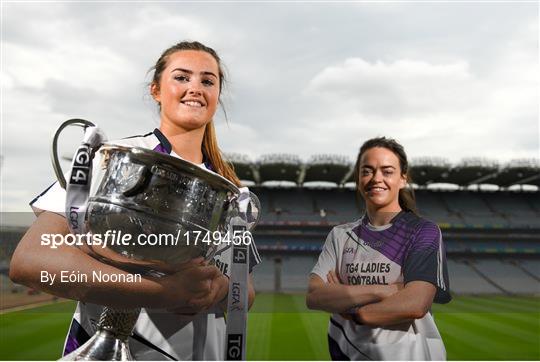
(158, 335)
(408, 249)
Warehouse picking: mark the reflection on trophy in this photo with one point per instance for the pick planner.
(142, 192)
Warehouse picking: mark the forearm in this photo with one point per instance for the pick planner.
(383, 314)
(406, 305)
(339, 298)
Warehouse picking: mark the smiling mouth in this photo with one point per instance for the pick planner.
(194, 104)
(376, 189)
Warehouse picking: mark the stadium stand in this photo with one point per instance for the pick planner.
(465, 280)
(287, 203)
(517, 208)
(472, 209)
(433, 206)
(263, 278)
(447, 208)
(531, 267)
(295, 272)
(508, 277)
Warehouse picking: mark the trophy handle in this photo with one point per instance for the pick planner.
(253, 214)
(250, 217)
(54, 150)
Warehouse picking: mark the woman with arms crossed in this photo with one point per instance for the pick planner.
(380, 274)
(187, 83)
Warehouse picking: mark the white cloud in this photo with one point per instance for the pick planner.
(394, 89)
(76, 63)
(440, 109)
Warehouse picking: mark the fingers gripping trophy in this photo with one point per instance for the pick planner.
(142, 192)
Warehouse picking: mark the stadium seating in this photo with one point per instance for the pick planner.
(263, 274)
(451, 208)
(432, 206)
(465, 280)
(508, 277)
(295, 272)
(518, 208)
(531, 266)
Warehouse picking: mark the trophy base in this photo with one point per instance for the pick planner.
(103, 346)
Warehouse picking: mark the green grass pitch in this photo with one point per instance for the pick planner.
(281, 328)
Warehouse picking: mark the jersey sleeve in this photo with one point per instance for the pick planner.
(328, 258)
(426, 261)
(51, 199)
(254, 257)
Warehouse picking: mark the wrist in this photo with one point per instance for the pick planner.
(385, 291)
(351, 293)
(223, 285)
(157, 294)
(356, 315)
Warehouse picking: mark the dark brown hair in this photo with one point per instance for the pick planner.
(406, 197)
(210, 147)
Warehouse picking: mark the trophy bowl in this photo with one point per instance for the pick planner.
(167, 205)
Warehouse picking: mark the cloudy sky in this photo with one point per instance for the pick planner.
(449, 80)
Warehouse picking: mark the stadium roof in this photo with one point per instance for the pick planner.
(424, 171)
(525, 171)
(243, 167)
(329, 168)
(428, 170)
(279, 167)
(473, 171)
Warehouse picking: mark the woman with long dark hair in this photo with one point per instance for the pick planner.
(380, 274)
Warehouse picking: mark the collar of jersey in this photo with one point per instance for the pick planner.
(163, 140)
(367, 223)
(168, 147)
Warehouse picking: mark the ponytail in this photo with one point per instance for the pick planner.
(211, 151)
(406, 198)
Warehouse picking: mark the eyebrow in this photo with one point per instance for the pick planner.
(371, 167)
(191, 72)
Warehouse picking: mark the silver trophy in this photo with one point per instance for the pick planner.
(141, 192)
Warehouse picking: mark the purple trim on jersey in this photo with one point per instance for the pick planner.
(163, 140)
(77, 336)
(159, 148)
(395, 241)
(209, 165)
(71, 345)
(166, 147)
(428, 237)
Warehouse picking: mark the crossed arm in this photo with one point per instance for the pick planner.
(372, 305)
